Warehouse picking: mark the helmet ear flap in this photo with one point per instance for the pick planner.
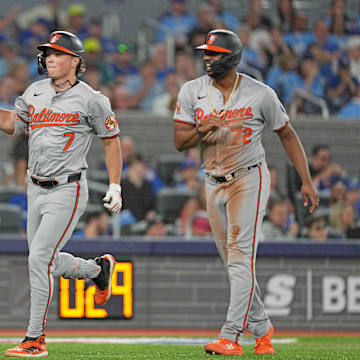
(41, 63)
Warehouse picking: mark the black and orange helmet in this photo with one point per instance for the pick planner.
(227, 43)
(62, 41)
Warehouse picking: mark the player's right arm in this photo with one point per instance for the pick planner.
(7, 121)
(187, 136)
(187, 133)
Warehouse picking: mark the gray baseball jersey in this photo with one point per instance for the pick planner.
(252, 106)
(236, 204)
(60, 127)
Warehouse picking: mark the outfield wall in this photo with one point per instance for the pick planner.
(182, 284)
(153, 138)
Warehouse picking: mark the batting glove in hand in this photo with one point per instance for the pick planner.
(112, 200)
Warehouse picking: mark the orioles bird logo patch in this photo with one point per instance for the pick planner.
(111, 122)
(211, 38)
(54, 38)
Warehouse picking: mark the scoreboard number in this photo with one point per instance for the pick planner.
(77, 299)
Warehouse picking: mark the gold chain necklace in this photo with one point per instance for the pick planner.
(228, 102)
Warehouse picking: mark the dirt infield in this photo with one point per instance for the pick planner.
(174, 332)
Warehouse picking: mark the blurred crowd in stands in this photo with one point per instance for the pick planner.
(290, 53)
(287, 51)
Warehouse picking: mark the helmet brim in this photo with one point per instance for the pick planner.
(214, 48)
(43, 47)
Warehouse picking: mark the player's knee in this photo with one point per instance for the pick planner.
(235, 255)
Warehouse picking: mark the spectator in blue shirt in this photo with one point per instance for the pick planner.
(98, 224)
(271, 50)
(189, 176)
(37, 33)
(177, 22)
(351, 110)
(249, 56)
(354, 25)
(299, 38)
(159, 59)
(353, 50)
(227, 18)
(8, 93)
(95, 31)
(337, 16)
(338, 25)
(324, 49)
(285, 13)
(120, 64)
(256, 7)
(77, 23)
(206, 21)
(309, 70)
(341, 87)
(311, 81)
(144, 87)
(287, 78)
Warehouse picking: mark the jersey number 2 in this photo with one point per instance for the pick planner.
(247, 132)
(71, 136)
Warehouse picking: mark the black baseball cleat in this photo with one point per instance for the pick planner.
(104, 279)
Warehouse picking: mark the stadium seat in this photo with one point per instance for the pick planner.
(166, 166)
(169, 203)
(8, 192)
(97, 191)
(98, 176)
(10, 219)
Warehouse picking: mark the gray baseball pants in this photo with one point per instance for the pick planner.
(52, 216)
(236, 210)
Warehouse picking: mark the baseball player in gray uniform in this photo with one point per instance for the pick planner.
(225, 112)
(61, 114)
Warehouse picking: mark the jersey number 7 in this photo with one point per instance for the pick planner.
(71, 136)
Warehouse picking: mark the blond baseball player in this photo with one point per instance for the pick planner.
(60, 114)
(225, 112)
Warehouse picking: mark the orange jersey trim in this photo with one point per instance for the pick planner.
(184, 122)
(253, 252)
(57, 245)
(112, 137)
(283, 127)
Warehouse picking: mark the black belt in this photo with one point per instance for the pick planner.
(48, 184)
(229, 177)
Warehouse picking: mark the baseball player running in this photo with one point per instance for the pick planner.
(60, 114)
(225, 112)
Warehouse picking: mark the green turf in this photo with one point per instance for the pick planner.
(317, 348)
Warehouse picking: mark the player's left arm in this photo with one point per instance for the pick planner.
(296, 154)
(113, 161)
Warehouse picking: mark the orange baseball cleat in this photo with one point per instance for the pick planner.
(223, 346)
(29, 348)
(263, 345)
(103, 281)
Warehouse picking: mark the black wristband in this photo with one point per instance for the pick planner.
(201, 134)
